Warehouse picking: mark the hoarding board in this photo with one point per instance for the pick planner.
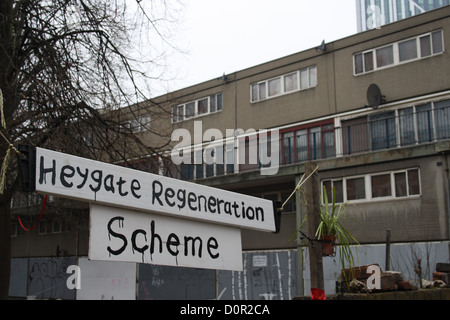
(78, 178)
(118, 234)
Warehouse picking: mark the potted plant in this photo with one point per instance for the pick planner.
(331, 230)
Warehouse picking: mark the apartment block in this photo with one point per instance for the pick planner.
(372, 110)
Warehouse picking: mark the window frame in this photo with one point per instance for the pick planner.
(326, 127)
(368, 189)
(360, 57)
(256, 94)
(179, 112)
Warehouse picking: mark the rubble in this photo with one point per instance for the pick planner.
(355, 280)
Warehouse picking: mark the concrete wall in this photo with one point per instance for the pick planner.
(267, 275)
(422, 218)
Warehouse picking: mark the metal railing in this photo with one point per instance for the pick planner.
(380, 131)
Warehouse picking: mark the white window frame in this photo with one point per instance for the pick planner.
(299, 87)
(368, 186)
(180, 118)
(396, 53)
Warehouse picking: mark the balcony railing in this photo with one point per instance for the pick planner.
(379, 131)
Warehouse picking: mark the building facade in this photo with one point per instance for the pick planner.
(376, 13)
(371, 110)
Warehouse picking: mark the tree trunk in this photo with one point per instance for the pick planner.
(5, 246)
(7, 87)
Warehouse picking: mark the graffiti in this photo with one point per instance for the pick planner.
(266, 276)
(48, 277)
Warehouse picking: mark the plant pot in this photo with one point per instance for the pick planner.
(328, 245)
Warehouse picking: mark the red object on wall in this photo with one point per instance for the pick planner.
(318, 294)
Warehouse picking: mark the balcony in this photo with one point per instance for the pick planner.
(371, 132)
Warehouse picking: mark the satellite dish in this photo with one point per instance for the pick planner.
(374, 96)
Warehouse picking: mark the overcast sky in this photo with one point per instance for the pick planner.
(224, 36)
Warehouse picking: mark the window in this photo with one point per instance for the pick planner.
(222, 164)
(400, 184)
(399, 52)
(407, 132)
(288, 147)
(359, 64)
(407, 50)
(140, 124)
(383, 130)
(402, 127)
(425, 46)
(442, 119)
(438, 43)
(44, 227)
(356, 189)
(281, 197)
(425, 132)
(215, 103)
(385, 56)
(337, 186)
(301, 138)
(312, 142)
(274, 87)
(355, 135)
(291, 82)
(190, 110)
(381, 186)
(413, 182)
(386, 185)
(431, 44)
(204, 106)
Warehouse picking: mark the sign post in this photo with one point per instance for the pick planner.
(142, 217)
(122, 235)
(82, 179)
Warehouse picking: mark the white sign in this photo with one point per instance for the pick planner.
(121, 235)
(83, 179)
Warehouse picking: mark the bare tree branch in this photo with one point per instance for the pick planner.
(63, 64)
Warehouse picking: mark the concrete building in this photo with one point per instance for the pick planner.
(372, 110)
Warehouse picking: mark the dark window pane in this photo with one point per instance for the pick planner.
(359, 64)
(407, 131)
(368, 61)
(385, 56)
(383, 131)
(407, 50)
(190, 110)
(339, 191)
(413, 182)
(425, 46)
(219, 101)
(288, 148)
(424, 123)
(202, 106)
(212, 104)
(400, 184)
(381, 186)
(438, 46)
(356, 189)
(327, 186)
